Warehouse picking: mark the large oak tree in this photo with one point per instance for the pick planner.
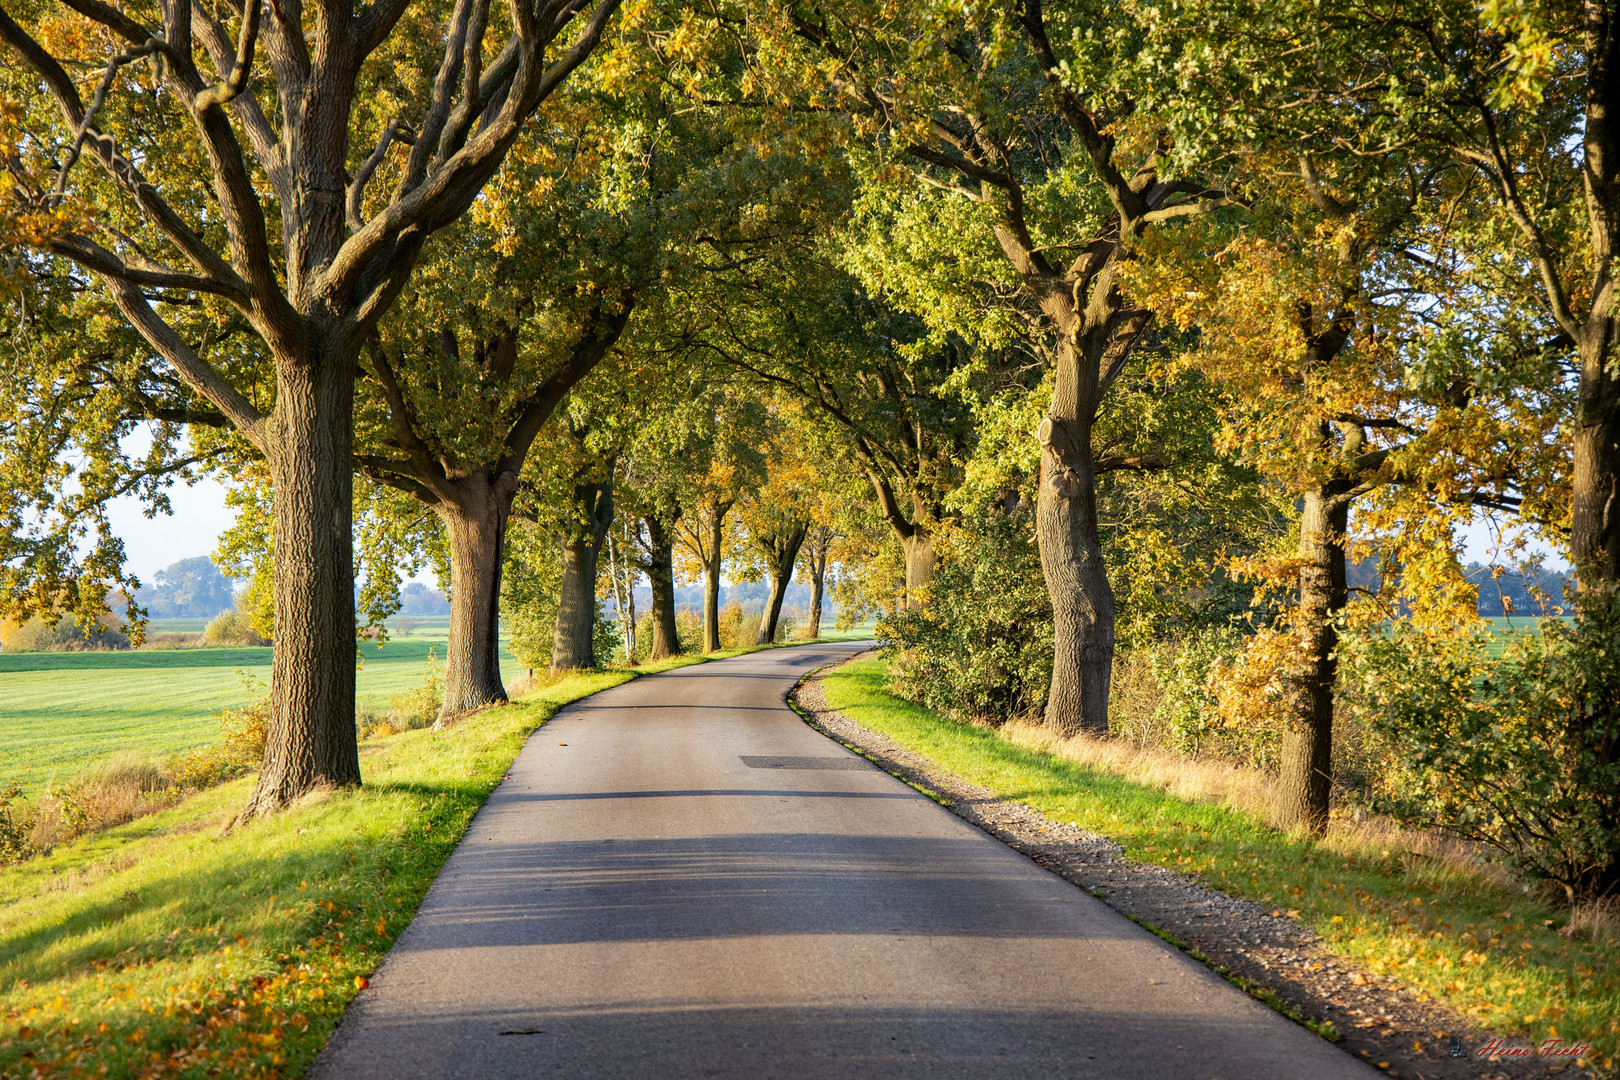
(177, 156)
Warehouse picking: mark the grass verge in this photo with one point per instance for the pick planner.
(162, 948)
(64, 712)
(1490, 951)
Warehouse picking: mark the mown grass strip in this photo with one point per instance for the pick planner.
(162, 948)
(1491, 952)
(63, 712)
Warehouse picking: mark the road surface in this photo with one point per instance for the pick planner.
(681, 879)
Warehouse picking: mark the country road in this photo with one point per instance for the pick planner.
(681, 879)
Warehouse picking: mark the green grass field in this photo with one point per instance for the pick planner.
(61, 713)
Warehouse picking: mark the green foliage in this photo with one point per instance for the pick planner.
(607, 638)
(529, 585)
(1521, 753)
(395, 535)
(15, 843)
(247, 549)
(981, 647)
(1187, 707)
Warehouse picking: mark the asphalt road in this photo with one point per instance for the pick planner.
(682, 879)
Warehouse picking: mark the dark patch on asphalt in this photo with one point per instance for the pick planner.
(843, 762)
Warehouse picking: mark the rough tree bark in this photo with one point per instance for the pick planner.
(781, 553)
(1306, 775)
(311, 739)
(660, 571)
(475, 520)
(1071, 556)
(1594, 537)
(571, 644)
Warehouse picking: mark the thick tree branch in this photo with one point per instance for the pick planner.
(424, 466)
(244, 107)
(602, 330)
(444, 192)
(97, 259)
(235, 79)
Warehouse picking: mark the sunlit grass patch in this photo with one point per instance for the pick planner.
(63, 712)
(1515, 965)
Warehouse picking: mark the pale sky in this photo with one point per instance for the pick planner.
(200, 515)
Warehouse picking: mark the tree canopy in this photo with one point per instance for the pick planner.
(1054, 335)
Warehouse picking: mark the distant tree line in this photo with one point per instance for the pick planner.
(189, 589)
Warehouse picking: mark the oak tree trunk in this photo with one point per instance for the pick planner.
(1071, 556)
(1595, 503)
(311, 740)
(475, 525)
(782, 559)
(818, 581)
(1306, 773)
(921, 563)
(666, 640)
(571, 644)
(711, 585)
(915, 538)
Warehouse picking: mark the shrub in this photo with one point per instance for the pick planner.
(246, 730)
(1134, 694)
(203, 768)
(1522, 753)
(1188, 708)
(66, 635)
(16, 827)
(733, 624)
(243, 734)
(1205, 694)
(607, 639)
(419, 707)
(233, 628)
(981, 649)
(689, 628)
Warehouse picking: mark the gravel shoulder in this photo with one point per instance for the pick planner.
(1278, 959)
